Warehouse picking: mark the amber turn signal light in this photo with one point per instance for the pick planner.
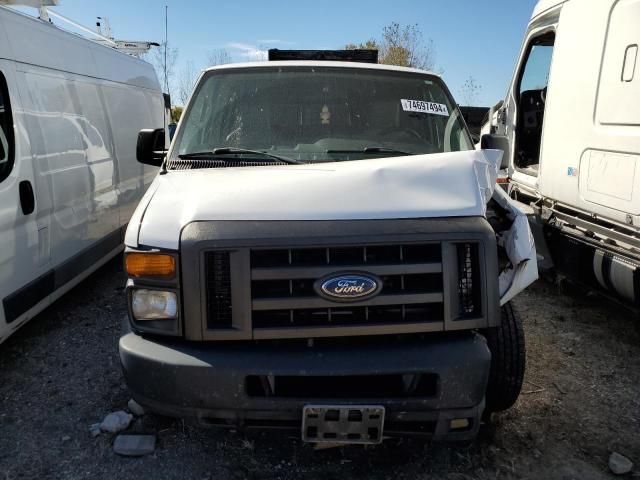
(150, 265)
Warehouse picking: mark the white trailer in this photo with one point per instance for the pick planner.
(571, 126)
(70, 112)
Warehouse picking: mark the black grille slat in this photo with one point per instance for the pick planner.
(412, 283)
(299, 287)
(219, 304)
(347, 316)
(383, 254)
(344, 386)
(340, 256)
(280, 273)
(280, 303)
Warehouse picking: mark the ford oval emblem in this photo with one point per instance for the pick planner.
(349, 287)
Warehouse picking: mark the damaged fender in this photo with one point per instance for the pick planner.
(520, 247)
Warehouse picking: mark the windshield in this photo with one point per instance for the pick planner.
(320, 114)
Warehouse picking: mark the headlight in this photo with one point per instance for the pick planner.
(154, 305)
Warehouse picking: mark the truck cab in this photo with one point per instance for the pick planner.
(324, 250)
(571, 128)
(519, 119)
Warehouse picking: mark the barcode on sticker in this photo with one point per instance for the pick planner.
(424, 107)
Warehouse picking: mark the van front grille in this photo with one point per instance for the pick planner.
(248, 280)
(283, 293)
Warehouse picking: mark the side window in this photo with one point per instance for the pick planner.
(531, 100)
(536, 71)
(7, 146)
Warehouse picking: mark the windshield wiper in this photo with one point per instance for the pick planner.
(212, 154)
(373, 150)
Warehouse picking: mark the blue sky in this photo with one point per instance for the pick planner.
(478, 38)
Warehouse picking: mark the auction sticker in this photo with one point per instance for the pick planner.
(424, 107)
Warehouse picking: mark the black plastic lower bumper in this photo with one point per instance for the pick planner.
(209, 382)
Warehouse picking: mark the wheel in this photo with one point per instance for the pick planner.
(508, 353)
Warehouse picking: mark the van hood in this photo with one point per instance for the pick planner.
(456, 184)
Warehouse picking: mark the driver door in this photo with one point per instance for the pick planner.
(522, 117)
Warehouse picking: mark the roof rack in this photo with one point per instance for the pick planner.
(359, 55)
(41, 5)
(131, 47)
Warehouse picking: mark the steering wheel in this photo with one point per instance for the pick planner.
(389, 131)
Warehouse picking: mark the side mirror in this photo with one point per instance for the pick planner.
(490, 141)
(150, 149)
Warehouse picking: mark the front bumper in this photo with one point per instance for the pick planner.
(208, 381)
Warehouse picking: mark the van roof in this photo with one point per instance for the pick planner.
(544, 5)
(317, 63)
(28, 40)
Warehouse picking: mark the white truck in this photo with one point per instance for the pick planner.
(570, 125)
(70, 110)
(324, 250)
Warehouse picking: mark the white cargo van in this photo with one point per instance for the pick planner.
(571, 126)
(324, 250)
(70, 112)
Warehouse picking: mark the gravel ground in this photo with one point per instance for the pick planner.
(580, 402)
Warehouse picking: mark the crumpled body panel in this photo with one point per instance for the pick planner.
(453, 184)
(520, 247)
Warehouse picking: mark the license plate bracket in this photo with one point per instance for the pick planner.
(362, 424)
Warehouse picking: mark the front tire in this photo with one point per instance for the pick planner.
(508, 359)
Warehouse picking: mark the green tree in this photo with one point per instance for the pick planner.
(402, 45)
(370, 44)
(176, 113)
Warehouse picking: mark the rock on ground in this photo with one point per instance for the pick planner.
(94, 429)
(619, 464)
(116, 422)
(135, 408)
(134, 445)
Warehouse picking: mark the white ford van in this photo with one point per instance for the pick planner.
(571, 126)
(70, 110)
(324, 250)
